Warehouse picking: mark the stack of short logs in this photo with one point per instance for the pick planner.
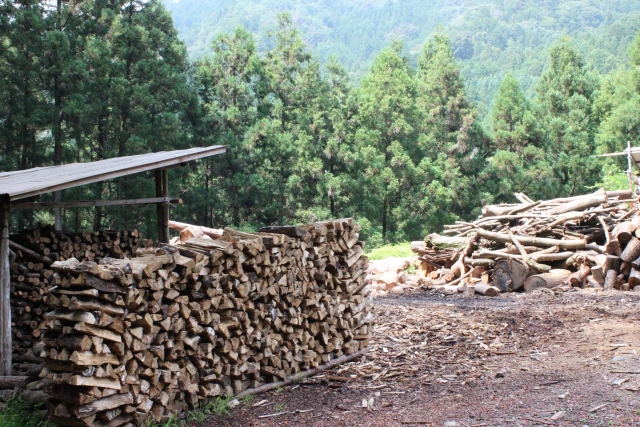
(32, 253)
(133, 341)
(583, 241)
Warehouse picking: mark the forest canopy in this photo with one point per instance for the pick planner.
(404, 149)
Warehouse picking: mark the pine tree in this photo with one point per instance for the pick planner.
(514, 125)
(519, 162)
(618, 106)
(565, 96)
(388, 122)
(452, 140)
(232, 88)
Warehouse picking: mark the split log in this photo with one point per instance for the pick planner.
(547, 280)
(211, 232)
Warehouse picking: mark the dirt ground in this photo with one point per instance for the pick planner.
(539, 359)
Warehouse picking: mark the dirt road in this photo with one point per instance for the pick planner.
(516, 360)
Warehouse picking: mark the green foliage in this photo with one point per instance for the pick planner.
(565, 99)
(490, 38)
(402, 149)
(219, 406)
(91, 81)
(398, 250)
(18, 414)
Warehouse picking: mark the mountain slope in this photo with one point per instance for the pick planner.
(490, 37)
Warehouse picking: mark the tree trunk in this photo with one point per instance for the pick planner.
(546, 280)
(634, 278)
(486, 290)
(632, 251)
(510, 274)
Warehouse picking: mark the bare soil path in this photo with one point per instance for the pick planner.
(537, 359)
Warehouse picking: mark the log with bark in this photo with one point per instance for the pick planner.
(520, 240)
(547, 280)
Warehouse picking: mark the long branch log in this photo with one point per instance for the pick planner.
(32, 254)
(581, 204)
(533, 241)
(11, 382)
(301, 375)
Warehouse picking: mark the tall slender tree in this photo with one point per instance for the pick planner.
(388, 124)
(565, 96)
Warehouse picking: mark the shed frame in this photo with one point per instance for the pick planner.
(17, 186)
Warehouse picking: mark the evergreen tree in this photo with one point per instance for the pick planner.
(618, 106)
(514, 125)
(388, 124)
(519, 163)
(232, 89)
(452, 140)
(565, 96)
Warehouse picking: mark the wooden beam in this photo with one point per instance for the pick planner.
(5, 294)
(92, 203)
(162, 210)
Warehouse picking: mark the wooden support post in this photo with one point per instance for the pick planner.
(629, 172)
(162, 190)
(5, 304)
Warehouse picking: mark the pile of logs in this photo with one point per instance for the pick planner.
(583, 241)
(144, 339)
(32, 253)
(87, 245)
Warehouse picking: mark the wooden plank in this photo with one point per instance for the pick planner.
(5, 287)
(32, 182)
(92, 203)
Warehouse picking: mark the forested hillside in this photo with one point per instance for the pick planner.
(490, 37)
(403, 149)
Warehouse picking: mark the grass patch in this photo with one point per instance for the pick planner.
(218, 407)
(19, 414)
(398, 250)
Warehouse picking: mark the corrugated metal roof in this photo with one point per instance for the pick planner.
(32, 182)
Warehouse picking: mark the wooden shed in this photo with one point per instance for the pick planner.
(17, 186)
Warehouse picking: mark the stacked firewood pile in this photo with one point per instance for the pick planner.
(59, 246)
(144, 339)
(584, 241)
(32, 253)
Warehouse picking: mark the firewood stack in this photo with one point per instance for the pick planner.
(32, 252)
(583, 241)
(86, 245)
(139, 340)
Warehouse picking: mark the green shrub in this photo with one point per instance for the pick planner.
(19, 414)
